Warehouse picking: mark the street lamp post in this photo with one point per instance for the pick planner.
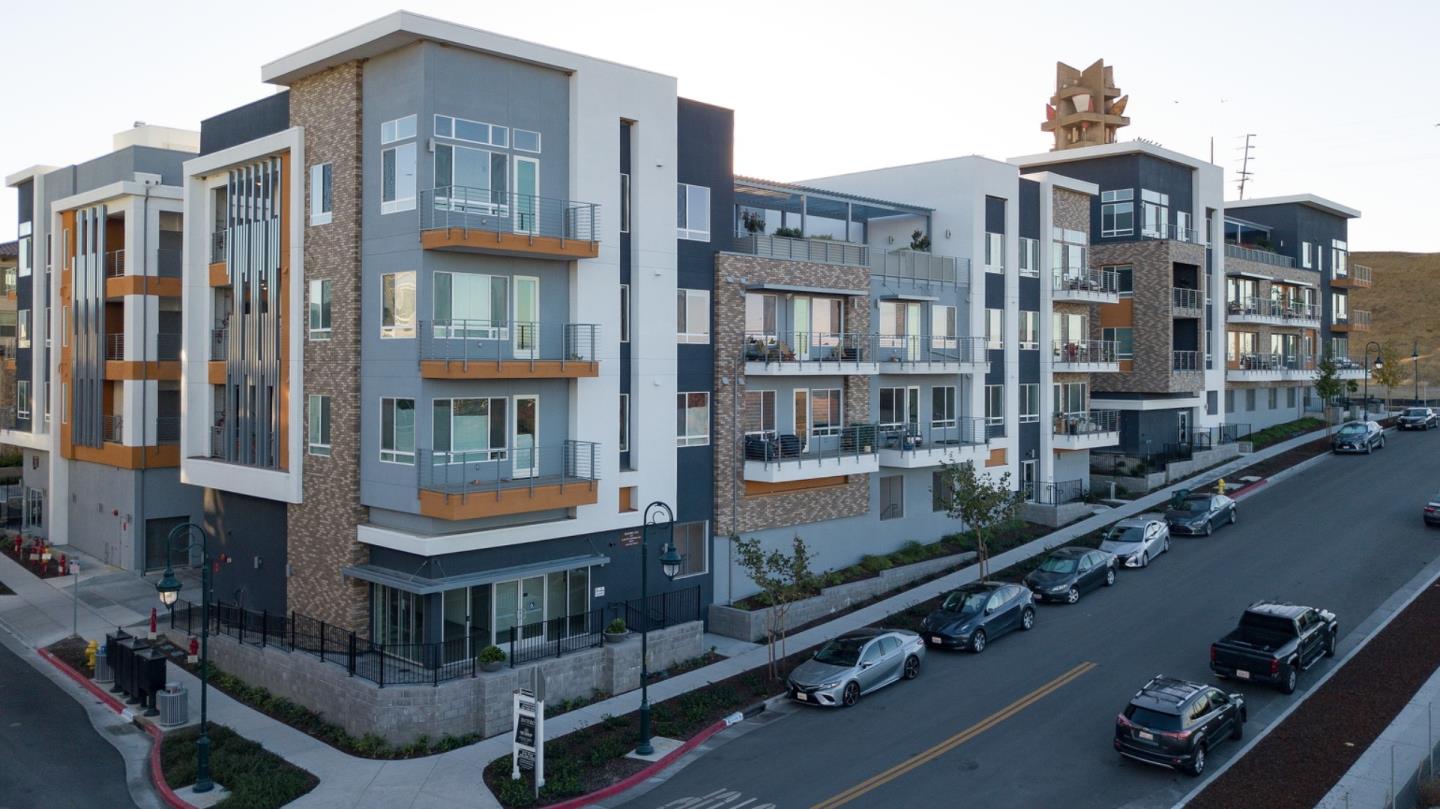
(1415, 358)
(1379, 364)
(656, 514)
(169, 589)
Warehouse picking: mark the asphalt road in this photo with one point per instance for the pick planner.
(50, 754)
(1029, 722)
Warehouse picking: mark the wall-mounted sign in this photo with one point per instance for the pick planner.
(630, 538)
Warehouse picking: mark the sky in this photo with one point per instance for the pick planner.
(1338, 95)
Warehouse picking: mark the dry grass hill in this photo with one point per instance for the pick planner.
(1404, 306)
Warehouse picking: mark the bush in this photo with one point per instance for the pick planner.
(1429, 794)
(11, 459)
(491, 654)
(256, 778)
(874, 564)
(616, 626)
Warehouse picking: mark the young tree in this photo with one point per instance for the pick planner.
(983, 504)
(784, 579)
(1328, 386)
(1392, 371)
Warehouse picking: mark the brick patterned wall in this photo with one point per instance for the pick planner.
(733, 273)
(322, 528)
(1071, 210)
(1153, 261)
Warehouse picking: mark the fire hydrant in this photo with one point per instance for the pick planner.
(153, 624)
(18, 540)
(1220, 486)
(194, 654)
(91, 649)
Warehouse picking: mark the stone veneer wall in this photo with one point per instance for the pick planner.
(1153, 261)
(1071, 210)
(322, 528)
(733, 273)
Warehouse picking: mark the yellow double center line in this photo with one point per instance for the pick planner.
(954, 741)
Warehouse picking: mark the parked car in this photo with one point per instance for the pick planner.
(1200, 513)
(1358, 436)
(1069, 572)
(1274, 642)
(976, 614)
(854, 664)
(1174, 723)
(1432, 510)
(1418, 418)
(1137, 540)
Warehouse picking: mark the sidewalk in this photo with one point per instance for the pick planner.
(41, 614)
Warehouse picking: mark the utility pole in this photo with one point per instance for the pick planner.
(1245, 172)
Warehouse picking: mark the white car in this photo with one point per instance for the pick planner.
(1137, 540)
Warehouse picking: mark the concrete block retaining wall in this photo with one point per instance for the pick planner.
(1179, 470)
(750, 625)
(480, 704)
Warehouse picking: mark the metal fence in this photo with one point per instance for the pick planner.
(506, 468)
(1185, 360)
(1081, 279)
(498, 341)
(217, 246)
(1085, 351)
(114, 263)
(914, 265)
(1056, 493)
(659, 610)
(915, 438)
(853, 441)
(468, 208)
(1186, 298)
(822, 251)
(1261, 256)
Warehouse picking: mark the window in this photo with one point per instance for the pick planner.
(942, 406)
(1070, 398)
(320, 309)
(1182, 227)
(995, 408)
(624, 313)
(693, 422)
(1274, 398)
(760, 314)
(320, 425)
(1305, 260)
(1250, 399)
(892, 497)
(469, 430)
(397, 305)
(45, 402)
(692, 214)
(398, 129)
(899, 406)
(34, 508)
(1117, 212)
(1030, 257)
(624, 422)
(1030, 403)
(22, 330)
(321, 194)
(825, 412)
(472, 180)
(994, 252)
(27, 253)
(942, 326)
(45, 327)
(1029, 329)
(759, 412)
(1124, 339)
(1124, 279)
(1230, 401)
(1339, 258)
(1290, 397)
(939, 492)
(397, 430)
(475, 306)
(1069, 327)
(527, 141)
(1339, 307)
(397, 179)
(689, 540)
(624, 203)
(692, 313)
(1155, 213)
(22, 399)
(994, 328)
(475, 132)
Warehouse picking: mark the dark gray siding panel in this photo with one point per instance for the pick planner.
(242, 124)
(246, 529)
(1029, 209)
(994, 215)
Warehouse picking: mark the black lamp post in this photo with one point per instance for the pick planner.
(1379, 364)
(169, 589)
(656, 514)
(1415, 358)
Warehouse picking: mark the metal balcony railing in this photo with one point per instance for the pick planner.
(897, 351)
(167, 429)
(115, 346)
(1355, 318)
(114, 262)
(1078, 351)
(497, 341)
(1184, 360)
(810, 346)
(219, 344)
(1257, 255)
(912, 438)
(852, 442)
(1275, 362)
(1186, 298)
(112, 429)
(469, 208)
(1172, 232)
(504, 468)
(1088, 422)
(167, 346)
(1266, 307)
(822, 251)
(913, 265)
(1104, 280)
(217, 438)
(217, 246)
(1358, 275)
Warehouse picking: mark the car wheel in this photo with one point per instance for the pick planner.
(1027, 617)
(850, 695)
(1072, 596)
(912, 667)
(1209, 527)
(1166, 547)
(1110, 577)
(1198, 765)
(1232, 515)
(1369, 449)
(1145, 559)
(1238, 730)
(1287, 686)
(1382, 442)
(977, 643)
(1330, 643)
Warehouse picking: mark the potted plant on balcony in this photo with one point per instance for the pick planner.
(753, 222)
(615, 631)
(919, 241)
(491, 658)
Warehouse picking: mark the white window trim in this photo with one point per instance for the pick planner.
(1000, 417)
(397, 455)
(625, 313)
(400, 203)
(838, 395)
(393, 134)
(989, 254)
(624, 202)
(704, 548)
(22, 399)
(687, 440)
(689, 335)
(397, 332)
(491, 453)
(314, 447)
(319, 216)
(900, 503)
(624, 422)
(321, 332)
(683, 230)
(774, 415)
(1029, 388)
(539, 144)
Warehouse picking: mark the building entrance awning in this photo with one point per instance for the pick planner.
(424, 585)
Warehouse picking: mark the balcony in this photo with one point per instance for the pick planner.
(917, 266)
(809, 353)
(1270, 368)
(167, 429)
(911, 354)
(1354, 320)
(1346, 368)
(477, 220)
(1185, 302)
(114, 263)
(1086, 286)
(915, 447)
(468, 485)
(1257, 255)
(1173, 233)
(1355, 276)
(1185, 361)
(1262, 311)
(486, 349)
(1086, 430)
(819, 251)
(1085, 356)
(112, 429)
(115, 347)
(851, 450)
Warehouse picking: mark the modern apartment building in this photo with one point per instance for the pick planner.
(9, 295)
(430, 356)
(96, 375)
(1288, 279)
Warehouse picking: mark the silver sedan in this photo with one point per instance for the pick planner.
(856, 663)
(1137, 540)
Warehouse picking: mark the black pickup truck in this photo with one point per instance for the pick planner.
(1273, 643)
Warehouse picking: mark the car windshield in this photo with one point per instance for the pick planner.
(1129, 533)
(1058, 564)
(1196, 504)
(1417, 411)
(963, 602)
(1153, 720)
(1353, 429)
(842, 651)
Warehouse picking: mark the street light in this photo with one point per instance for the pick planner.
(1379, 365)
(656, 514)
(169, 589)
(1415, 358)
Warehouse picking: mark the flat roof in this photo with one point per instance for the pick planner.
(1109, 150)
(37, 170)
(757, 191)
(1311, 200)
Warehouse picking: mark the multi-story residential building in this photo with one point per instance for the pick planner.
(9, 284)
(97, 394)
(1288, 279)
(421, 283)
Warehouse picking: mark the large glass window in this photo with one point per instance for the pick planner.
(319, 441)
(320, 309)
(1124, 339)
(471, 305)
(470, 179)
(691, 543)
(1340, 306)
(1124, 279)
(994, 328)
(943, 326)
(22, 330)
(892, 497)
(397, 178)
(692, 312)
(398, 617)
(995, 409)
(759, 412)
(26, 251)
(321, 193)
(1029, 329)
(397, 430)
(469, 430)
(1029, 403)
(692, 215)
(1117, 212)
(994, 252)
(825, 411)
(397, 305)
(22, 399)
(899, 407)
(942, 406)
(1030, 257)
(760, 315)
(1155, 213)
(693, 422)
(1071, 398)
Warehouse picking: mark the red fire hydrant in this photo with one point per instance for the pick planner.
(194, 650)
(44, 558)
(153, 623)
(18, 540)
(64, 565)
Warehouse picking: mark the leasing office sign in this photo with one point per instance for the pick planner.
(527, 742)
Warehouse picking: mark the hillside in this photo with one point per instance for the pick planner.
(1405, 306)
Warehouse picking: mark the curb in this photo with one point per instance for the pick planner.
(157, 774)
(644, 775)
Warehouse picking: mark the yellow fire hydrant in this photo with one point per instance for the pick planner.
(1221, 486)
(91, 649)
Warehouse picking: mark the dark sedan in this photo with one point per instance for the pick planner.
(1418, 418)
(978, 613)
(1068, 573)
(1358, 436)
(1198, 514)
(1432, 510)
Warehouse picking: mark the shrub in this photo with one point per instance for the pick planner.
(874, 564)
(494, 654)
(616, 626)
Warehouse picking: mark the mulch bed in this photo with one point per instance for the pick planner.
(71, 652)
(5, 591)
(1306, 755)
(7, 547)
(1269, 466)
(256, 778)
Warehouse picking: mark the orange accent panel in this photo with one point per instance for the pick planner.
(67, 250)
(509, 369)
(627, 498)
(215, 372)
(127, 457)
(168, 371)
(1117, 314)
(997, 457)
(1127, 366)
(10, 296)
(120, 286)
(219, 275)
(754, 487)
(509, 244)
(520, 500)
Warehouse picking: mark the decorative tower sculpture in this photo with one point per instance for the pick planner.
(1087, 107)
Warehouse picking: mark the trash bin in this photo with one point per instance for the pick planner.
(174, 704)
(116, 658)
(128, 673)
(150, 677)
(102, 664)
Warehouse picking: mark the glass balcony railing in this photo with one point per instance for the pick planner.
(469, 208)
(914, 265)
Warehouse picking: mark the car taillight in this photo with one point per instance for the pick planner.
(1179, 736)
(1122, 721)
(1430, 509)
(1274, 667)
(1212, 654)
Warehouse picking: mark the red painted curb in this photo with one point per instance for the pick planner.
(632, 780)
(1249, 487)
(157, 774)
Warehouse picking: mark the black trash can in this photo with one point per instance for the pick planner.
(115, 658)
(150, 677)
(130, 649)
